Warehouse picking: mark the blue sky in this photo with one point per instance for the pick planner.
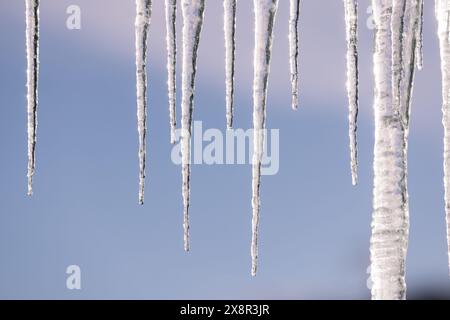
(315, 227)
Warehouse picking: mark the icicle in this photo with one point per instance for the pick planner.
(171, 15)
(265, 11)
(293, 49)
(397, 23)
(406, 25)
(192, 25)
(32, 44)
(143, 14)
(388, 232)
(419, 46)
(397, 29)
(229, 7)
(411, 26)
(351, 22)
(443, 18)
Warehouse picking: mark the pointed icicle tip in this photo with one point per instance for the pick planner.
(142, 24)
(229, 7)
(171, 44)
(351, 23)
(294, 16)
(265, 12)
(186, 227)
(192, 11)
(32, 47)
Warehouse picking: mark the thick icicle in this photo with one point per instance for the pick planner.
(143, 14)
(397, 22)
(171, 15)
(229, 7)
(32, 44)
(293, 49)
(265, 11)
(388, 223)
(192, 25)
(443, 18)
(351, 22)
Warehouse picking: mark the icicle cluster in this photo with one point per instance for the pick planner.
(171, 16)
(443, 18)
(265, 11)
(192, 25)
(398, 52)
(229, 7)
(396, 43)
(351, 22)
(32, 44)
(294, 16)
(143, 14)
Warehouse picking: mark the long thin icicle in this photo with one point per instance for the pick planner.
(192, 25)
(171, 16)
(397, 23)
(32, 44)
(397, 29)
(265, 12)
(443, 18)
(229, 7)
(411, 38)
(351, 22)
(419, 46)
(294, 17)
(143, 15)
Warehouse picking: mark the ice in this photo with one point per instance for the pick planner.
(193, 11)
(143, 14)
(265, 12)
(32, 44)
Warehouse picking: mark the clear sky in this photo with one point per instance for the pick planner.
(315, 227)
